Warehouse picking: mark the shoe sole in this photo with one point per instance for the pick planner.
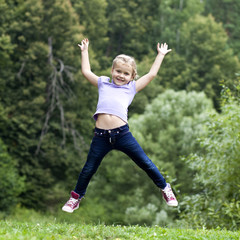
(69, 210)
(172, 204)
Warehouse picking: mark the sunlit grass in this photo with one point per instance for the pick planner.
(30, 225)
(51, 230)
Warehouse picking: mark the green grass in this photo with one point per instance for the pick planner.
(50, 231)
(31, 225)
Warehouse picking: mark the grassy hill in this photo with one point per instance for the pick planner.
(25, 224)
(50, 231)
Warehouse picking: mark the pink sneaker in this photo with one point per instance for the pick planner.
(169, 196)
(72, 204)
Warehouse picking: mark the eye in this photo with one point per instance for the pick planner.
(127, 74)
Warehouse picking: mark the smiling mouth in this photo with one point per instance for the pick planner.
(120, 80)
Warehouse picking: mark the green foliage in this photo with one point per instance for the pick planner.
(170, 126)
(172, 14)
(131, 27)
(12, 185)
(38, 95)
(6, 49)
(227, 13)
(195, 65)
(92, 16)
(10, 181)
(136, 26)
(207, 64)
(216, 202)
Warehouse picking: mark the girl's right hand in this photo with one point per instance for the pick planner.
(84, 44)
(163, 49)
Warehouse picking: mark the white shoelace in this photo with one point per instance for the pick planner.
(169, 193)
(72, 201)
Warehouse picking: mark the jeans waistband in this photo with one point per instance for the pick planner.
(109, 131)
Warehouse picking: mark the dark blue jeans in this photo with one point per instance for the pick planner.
(120, 139)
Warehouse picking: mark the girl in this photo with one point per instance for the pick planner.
(112, 131)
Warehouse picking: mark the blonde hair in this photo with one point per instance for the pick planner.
(127, 60)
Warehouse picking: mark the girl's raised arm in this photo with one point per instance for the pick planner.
(86, 68)
(146, 79)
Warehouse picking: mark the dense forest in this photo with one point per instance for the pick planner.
(187, 119)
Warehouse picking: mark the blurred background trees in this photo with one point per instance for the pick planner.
(217, 198)
(184, 123)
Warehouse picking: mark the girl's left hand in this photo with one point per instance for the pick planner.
(163, 49)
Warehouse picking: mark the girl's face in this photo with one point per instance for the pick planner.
(122, 73)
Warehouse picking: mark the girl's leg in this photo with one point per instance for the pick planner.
(98, 149)
(129, 145)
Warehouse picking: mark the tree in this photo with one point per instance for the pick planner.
(12, 185)
(130, 27)
(40, 97)
(172, 15)
(197, 65)
(216, 183)
(93, 17)
(202, 65)
(6, 47)
(227, 12)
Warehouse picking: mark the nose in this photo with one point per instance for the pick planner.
(121, 75)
